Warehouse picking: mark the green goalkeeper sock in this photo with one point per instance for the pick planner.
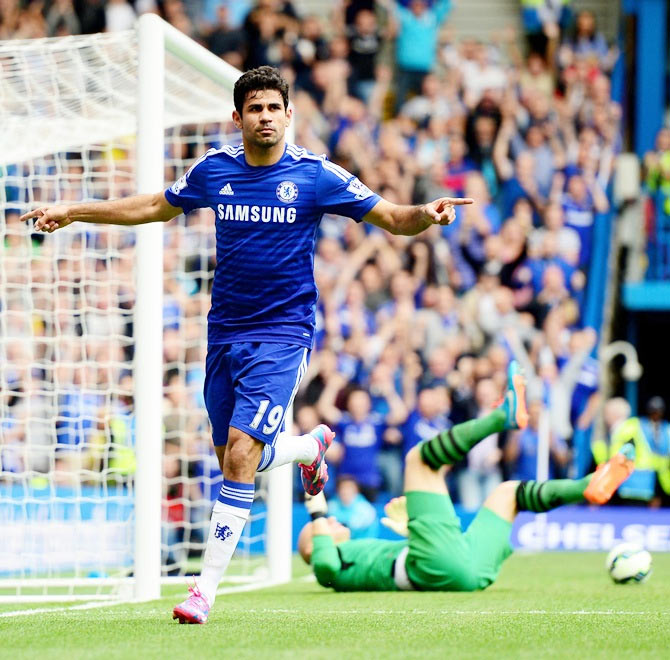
(449, 447)
(541, 496)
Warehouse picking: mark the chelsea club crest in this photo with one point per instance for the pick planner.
(287, 192)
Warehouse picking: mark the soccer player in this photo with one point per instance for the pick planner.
(438, 556)
(268, 198)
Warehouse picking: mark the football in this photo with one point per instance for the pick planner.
(628, 562)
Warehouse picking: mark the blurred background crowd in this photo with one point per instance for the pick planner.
(414, 334)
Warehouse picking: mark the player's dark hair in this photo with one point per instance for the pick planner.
(256, 80)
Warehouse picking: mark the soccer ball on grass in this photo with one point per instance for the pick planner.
(628, 562)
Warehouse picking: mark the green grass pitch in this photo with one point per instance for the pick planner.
(553, 605)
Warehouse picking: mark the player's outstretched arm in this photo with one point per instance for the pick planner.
(316, 543)
(135, 210)
(411, 220)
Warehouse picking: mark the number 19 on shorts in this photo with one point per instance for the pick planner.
(274, 417)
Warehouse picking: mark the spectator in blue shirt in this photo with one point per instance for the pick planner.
(359, 433)
(520, 452)
(416, 45)
(428, 418)
(352, 509)
(580, 203)
(589, 43)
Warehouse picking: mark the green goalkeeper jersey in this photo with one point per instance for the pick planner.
(362, 565)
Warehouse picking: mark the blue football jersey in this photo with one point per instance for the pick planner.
(266, 222)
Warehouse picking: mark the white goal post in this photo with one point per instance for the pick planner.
(155, 80)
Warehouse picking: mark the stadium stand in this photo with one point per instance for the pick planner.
(414, 334)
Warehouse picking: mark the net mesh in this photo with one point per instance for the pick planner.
(67, 425)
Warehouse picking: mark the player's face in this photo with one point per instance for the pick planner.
(264, 118)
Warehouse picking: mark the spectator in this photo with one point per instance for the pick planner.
(92, 15)
(400, 321)
(226, 41)
(558, 385)
(657, 432)
(428, 419)
(543, 22)
(311, 47)
(566, 241)
(416, 46)
(61, 19)
(236, 11)
(537, 78)
(352, 509)
(590, 44)
(265, 26)
(365, 41)
(478, 224)
(521, 449)
(580, 203)
(480, 76)
(657, 164)
(119, 15)
(458, 166)
(359, 438)
(519, 183)
(650, 482)
(431, 103)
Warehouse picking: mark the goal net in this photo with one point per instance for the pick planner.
(70, 421)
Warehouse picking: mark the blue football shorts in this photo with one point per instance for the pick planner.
(250, 385)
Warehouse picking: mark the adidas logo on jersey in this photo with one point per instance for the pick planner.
(226, 190)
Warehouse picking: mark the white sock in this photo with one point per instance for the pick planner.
(288, 449)
(229, 516)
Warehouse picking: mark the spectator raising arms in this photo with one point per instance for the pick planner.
(414, 326)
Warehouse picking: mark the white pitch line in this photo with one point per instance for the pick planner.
(97, 604)
(253, 587)
(466, 612)
(42, 610)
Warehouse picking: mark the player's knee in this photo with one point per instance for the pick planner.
(502, 500)
(220, 455)
(506, 490)
(241, 456)
(413, 458)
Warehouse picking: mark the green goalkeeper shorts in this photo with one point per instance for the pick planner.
(443, 558)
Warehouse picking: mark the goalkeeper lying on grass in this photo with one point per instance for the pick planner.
(437, 556)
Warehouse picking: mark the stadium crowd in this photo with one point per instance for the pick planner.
(413, 333)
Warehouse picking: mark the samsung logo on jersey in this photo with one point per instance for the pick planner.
(245, 213)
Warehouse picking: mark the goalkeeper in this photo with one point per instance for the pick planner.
(437, 556)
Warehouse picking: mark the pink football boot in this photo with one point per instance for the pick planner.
(195, 609)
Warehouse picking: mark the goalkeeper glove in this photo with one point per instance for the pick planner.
(396, 516)
(316, 505)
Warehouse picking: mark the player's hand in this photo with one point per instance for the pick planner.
(396, 516)
(316, 505)
(442, 211)
(49, 218)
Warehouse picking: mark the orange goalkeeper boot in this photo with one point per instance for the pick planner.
(610, 475)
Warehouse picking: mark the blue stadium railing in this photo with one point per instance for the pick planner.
(596, 288)
(592, 317)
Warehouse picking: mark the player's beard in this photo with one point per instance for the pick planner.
(265, 141)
